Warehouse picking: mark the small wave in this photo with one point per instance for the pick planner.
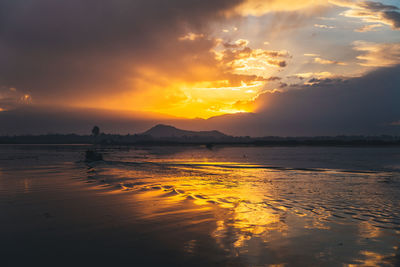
(235, 165)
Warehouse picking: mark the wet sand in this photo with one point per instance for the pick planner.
(199, 207)
(52, 217)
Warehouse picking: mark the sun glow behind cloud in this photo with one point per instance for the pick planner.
(217, 58)
(191, 100)
(229, 81)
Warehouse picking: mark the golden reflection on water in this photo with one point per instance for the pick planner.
(244, 192)
(27, 185)
(370, 258)
(246, 201)
(266, 216)
(367, 230)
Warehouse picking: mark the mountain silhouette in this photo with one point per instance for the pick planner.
(167, 131)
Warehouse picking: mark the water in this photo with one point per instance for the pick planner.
(242, 206)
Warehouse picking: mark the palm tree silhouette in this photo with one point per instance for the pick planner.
(95, 131)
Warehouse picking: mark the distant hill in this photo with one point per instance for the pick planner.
(167, 131)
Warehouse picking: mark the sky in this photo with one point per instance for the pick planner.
(280, 67)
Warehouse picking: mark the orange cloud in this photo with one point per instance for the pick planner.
(223, 79)
(318, 75)
(368, 28)
(311, 55)
(191, 37)
(328, 62)
(324, 26)
(261, 7)
(378, 54)
(370, 11)
(242, 59)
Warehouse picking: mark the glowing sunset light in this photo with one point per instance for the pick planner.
(200, 60)
(200, 133)
(202, 99)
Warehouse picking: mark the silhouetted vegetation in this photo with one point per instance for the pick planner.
(95, 131)
(208, 139)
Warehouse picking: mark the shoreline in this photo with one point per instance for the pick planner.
(289, 143)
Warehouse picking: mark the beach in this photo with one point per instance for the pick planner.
(195, 206)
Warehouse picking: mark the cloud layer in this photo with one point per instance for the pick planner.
(365, 105)
(61, 50)
(194, 58)
(371, 11)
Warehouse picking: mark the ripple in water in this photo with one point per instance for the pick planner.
(261, 208)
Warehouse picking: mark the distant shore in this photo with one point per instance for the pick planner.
(167, 135)
(116, 140)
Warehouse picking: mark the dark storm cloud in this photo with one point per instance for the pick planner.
(377, 6)
(389, 12)
(57, 48)
(365, 105)
(393, 16)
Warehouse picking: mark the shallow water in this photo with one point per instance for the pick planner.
(244, 206)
